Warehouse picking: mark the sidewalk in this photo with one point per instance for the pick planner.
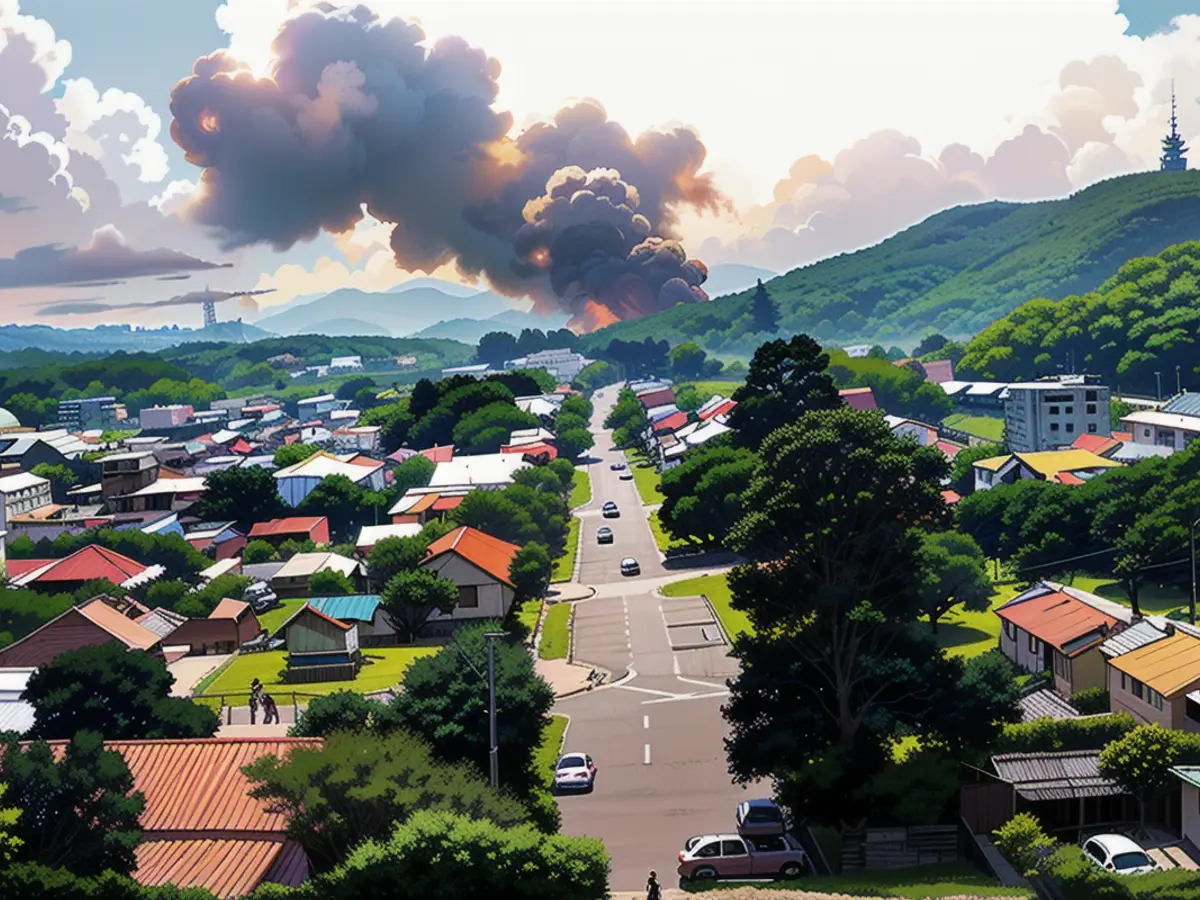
(564, 677)
(569, 591)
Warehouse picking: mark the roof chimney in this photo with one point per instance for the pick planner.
(1169, 629)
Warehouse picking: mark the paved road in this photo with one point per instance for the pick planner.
(657, 734)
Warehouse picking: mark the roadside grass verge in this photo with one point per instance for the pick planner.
(556, 632)
(646, 478)
(550, 749)
(564, 566)
(581, 488)
(662, 540)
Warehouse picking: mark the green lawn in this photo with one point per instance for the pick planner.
(528, 613)
(274, 618)
(709, 389)
(564, 566)
(646, 478)
(556, 632)
(1155, 599)
(990, 428)
(550, 749)
(663, 540)
(383, 668)
(716, 588)
(945, 880)
(969, 634)
(581, 488)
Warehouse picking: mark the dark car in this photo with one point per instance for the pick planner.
(617, 466)
(604, 535)
(760, 817)
(610, 511)
(629, 566)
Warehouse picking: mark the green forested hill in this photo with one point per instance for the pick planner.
(1143, 320)
(956, 272)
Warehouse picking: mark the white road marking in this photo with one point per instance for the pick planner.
(631, 687)
(678, 697)
(645, 721)
(646, 759)
(707, 684)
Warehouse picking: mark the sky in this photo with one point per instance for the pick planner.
(763, 133)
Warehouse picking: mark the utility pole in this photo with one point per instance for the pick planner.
(494, 742)
(1158, 381)
(1178, 382)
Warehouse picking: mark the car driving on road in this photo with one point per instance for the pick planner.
(1118, 854)
(626, 475)
(629, 566)
(712, 856)
(759, 817)
(618, 467)
(610, 511)
(604, 535)
(575, 772)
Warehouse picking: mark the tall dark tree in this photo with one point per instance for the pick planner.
(118, 693)
(79, 812)
(242, 494)
(409, 599)
(496, 347)
(955, 573)
(764, 311)
(785, 380)
(838, 665)
(702, 496)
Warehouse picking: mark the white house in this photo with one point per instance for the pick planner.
(479, 564)
(297, 481)
(486, 470)
(340, 364)
(314, 407)
(22, 493)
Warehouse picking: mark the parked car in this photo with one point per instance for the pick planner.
(604, 535)
(618, 467)
(629, 566)
(712, 856)
(1117, 853)
(575, 772)
(626, 475)
(260, 596)
(610, 511)
(758, 817)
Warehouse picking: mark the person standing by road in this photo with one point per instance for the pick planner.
(255, 692)
(653, 891)
(270, 710)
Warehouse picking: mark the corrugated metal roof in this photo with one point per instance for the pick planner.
(1045, 704)
(1190, 774)
(161, 621)
(1054, 776)
(351, 608)
(1062, 621)
(226, 868)
(1184, 405)
(16, 715)
(1137, 635)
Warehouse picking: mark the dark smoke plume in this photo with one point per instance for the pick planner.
(572, 212)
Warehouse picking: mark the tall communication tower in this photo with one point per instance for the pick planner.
(210, 312)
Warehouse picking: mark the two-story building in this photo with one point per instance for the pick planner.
(1049, 630)
(1160, 681)
(22, 493)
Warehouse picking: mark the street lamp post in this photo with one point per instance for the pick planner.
(1192, 547)
(1178, 382)
(493, 740)
(1158, 381)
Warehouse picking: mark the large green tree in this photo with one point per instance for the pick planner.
(702, 496)
(118, 693)
(242, 494)
(837, 666)
(445, 701)
(764, 311)
(785, 380)
(356, 787)
(484, 430)
(78, 812)
(1141, 760)
(955, 574)
(410, 597)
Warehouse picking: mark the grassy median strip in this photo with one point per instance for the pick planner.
(581, 488)
(550, 749)
(716, 588)
(564, 566)
(556, 632)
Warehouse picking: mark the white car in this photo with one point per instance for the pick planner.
(629, 566)
(575, 772)
(1117, 853)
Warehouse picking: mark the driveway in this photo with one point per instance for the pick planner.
(189, 670)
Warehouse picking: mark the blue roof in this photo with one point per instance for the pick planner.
(1186, 404)
(351, 608)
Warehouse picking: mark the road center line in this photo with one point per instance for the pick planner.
(645, 721)
(646, 759)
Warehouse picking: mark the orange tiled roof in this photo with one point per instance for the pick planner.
(1056, 618)
(1095, 443)
(90, 563)
(951, 497)
(444, 504)
(289, 525)
(229, 608)
(485, 552)
(439, 454)
(226, 868)
(125, 630)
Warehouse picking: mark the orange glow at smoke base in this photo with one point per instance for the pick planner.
(592, 317)
(208, 122)
(540, 257)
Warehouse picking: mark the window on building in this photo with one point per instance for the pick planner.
(1091, 409)
(1054, 426)
(1070, 410)
(1155, 699)
(1070, 428)
(1091, 428)
(1033, 644)
(468, 596)
(1054, 410)
(1137, 689)
(1062, 665)
(1010, 630)
(1145, 432)
(1124, 682)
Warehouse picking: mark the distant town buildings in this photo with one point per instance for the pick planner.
(342, 364)
(1043, 415)
(1174, 425)
(91, 412)
(157, 417)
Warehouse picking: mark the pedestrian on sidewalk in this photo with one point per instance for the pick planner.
(255, 693)
(270, 710)
(653, 891)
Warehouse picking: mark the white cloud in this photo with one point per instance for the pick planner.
(378, 272)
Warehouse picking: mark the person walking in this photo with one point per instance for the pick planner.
(653, 891)
(255, 694)
(270, 710)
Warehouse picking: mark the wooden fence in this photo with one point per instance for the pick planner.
(899, 848)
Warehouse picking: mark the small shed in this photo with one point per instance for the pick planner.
(226, 628)
(320, 647)
(374, 629)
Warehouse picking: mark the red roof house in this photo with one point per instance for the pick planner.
(479, 564)
(90, 563)
(225, 629)
(299, 528)
(660, 397)
(938, 371)
(439, 454)
(859, 398)
(94, 622)
(1100, 444)
(539, 449)
(673, 422)
(720, 409)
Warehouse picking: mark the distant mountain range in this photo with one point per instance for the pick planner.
(956, 272)
(110, 338)
(513, 321)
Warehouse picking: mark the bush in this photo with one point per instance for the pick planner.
(1091, 701)
(1044, 735)
(44, 883)
(342, 711)
(258, 551)
(1022, 841)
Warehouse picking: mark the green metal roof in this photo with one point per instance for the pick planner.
(1190, 774)
(351, 608)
